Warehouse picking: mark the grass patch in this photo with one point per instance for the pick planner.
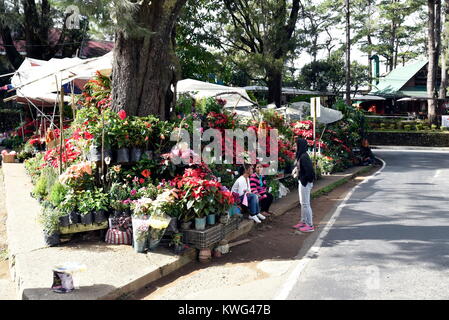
(338, 183)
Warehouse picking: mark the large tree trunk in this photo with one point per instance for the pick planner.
(144, 63)
(274, 86)
(348, 55)
(431, 102)
(444, 49)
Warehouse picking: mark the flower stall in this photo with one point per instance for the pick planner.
(114, 172)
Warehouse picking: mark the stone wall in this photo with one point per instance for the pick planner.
(422, 139)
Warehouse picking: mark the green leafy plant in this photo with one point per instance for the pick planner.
(176, 239)
(100, 199)
(57, 194)
(86, 202)
(49, 218)
(407, 127)
(40, 189)
(70, 203)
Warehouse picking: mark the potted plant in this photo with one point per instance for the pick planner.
(49, 219)
(40, 189)
(101, 203)
(69, 207)
(140, 221)
(86, 206)
(119, 132)
(139, 132)
(176, 243)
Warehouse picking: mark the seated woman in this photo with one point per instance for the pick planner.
(366, 154)
(259, 187)
(243, 188)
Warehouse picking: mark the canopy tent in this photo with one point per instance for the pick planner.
(38, 80)
(234, 96)
(299, 110)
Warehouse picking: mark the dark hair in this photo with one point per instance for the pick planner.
(244, 167)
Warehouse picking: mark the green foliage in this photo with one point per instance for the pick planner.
(206, 105)
(184, 104)
(329, 74)
(49, 218)
(14, 143)
(40, 189)
(57, 194)
(86, 202)
(407, 127)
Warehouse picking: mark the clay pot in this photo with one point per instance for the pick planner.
(205, 255)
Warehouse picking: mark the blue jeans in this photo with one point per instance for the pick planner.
(253, 203)
(304, 200)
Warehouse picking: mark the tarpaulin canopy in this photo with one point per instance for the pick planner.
(234, 96)
(39, 80)
(299, 110)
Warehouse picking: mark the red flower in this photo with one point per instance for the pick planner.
(146, 173)
(122, 114)
(88, 136)
(141, 180)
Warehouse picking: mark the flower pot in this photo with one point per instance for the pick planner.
(211, 219)
(200, 223)
(186, 225)
(179, 248)
(205, 255)
(51, 239)
(74, 217)
(123, 155)
(99, 216)
(64, 221)
(136, 154)
(87, 218)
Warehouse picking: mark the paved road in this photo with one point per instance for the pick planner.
(391, 239)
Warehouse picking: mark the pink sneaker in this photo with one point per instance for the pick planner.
(299, 225)
(307, 228)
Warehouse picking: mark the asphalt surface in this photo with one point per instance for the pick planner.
(391, 237)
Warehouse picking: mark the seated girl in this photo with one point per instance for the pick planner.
(243, 188)
(258, 185)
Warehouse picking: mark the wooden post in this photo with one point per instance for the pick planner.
(61, 125)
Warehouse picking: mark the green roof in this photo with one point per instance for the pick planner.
(397, 78)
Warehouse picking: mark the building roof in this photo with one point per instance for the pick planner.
(290, 90)
(90, 48)
(392, 84)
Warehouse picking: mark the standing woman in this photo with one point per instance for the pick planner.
(259, 187)
(306, 176)
(242, 186)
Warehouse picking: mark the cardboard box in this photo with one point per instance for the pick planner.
(9, 158)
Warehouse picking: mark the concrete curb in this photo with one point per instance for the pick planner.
(410, 148)
(28, 262)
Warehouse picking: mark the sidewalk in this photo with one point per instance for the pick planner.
(112, 271)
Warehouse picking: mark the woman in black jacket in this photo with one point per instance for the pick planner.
(306, 176)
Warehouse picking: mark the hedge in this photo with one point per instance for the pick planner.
(423, 139)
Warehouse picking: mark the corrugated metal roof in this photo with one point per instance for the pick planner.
(397, 78)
